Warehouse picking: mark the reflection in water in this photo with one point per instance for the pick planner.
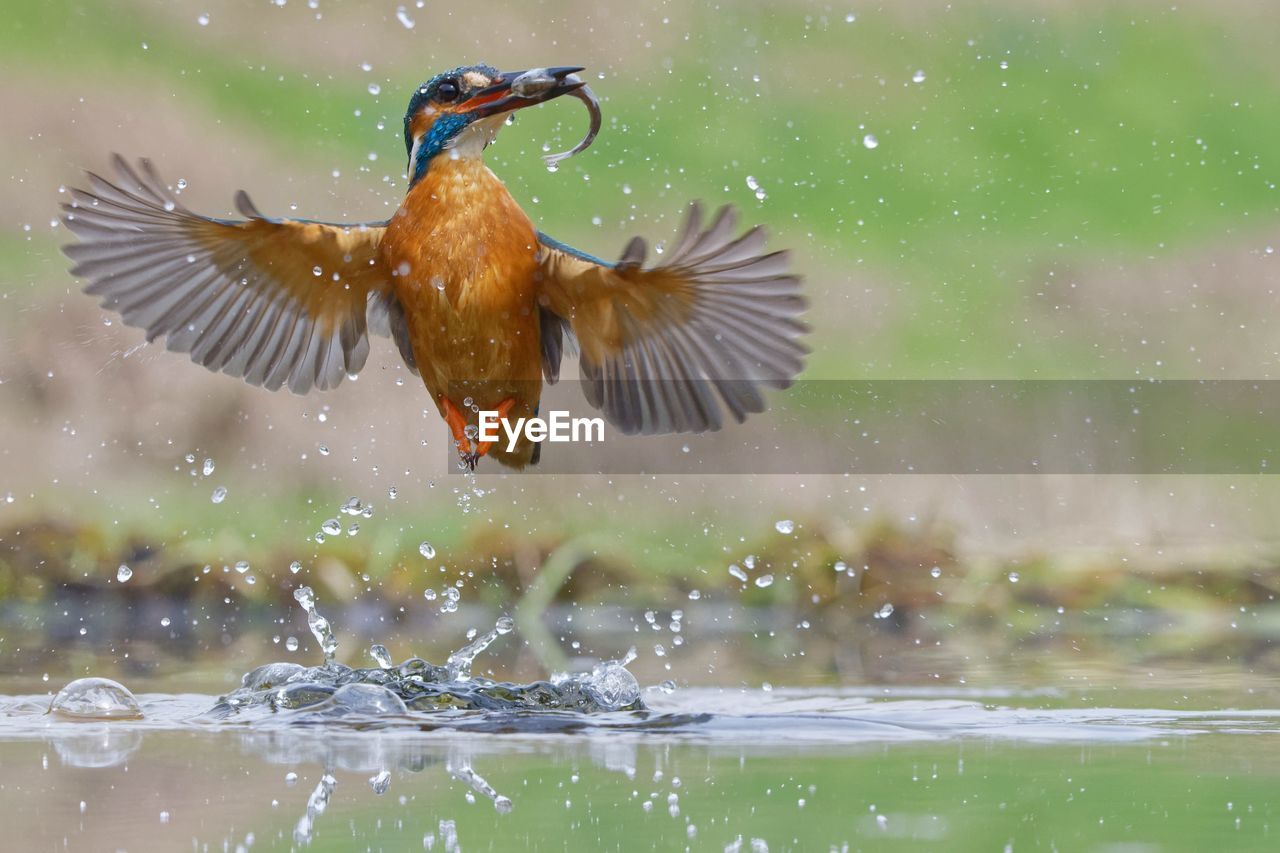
(96, 745)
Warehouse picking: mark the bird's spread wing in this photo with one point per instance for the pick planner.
(277, 302)
(666, 348)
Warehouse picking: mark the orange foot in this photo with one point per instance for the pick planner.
(458, 427)
(482, 448)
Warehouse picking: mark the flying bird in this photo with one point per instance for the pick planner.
(480, 304)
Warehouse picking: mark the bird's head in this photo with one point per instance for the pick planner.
(459, 112)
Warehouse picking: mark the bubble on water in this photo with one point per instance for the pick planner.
(612, 685)
(426, 550)
(737, 572)
(291, 643)
(869, 141)
(123, 573)
(885, 612)
(764, 581)
(207, 468)
(402, 15)
(95, 699)
(786, 526)
(381, 782)
(331, 527)
(295, 567)
(219, 494)
(918, 77)
(242, 566)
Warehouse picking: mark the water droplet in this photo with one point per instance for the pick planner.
(291, 644)
(207, 468)
(1014, 577)
(785, 527)
(429, 594)
(869, 141)
(764, 581)
(219, 494)
(737, 572)
(918, 77)
(694, 595)
(291, 778)
(381, 782)
(331, 527)
(381, 656)
(242, 566)
(426, 550)
(402, 15)
(203, 19)
(885, 612)
(375, 89)
(392, 493)
(295, 567)
(165, 621)
(324, 450)
(123, 573)
(935, 572)
(353, 530)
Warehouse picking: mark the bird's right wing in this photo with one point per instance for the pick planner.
(275, 301)
(665, 348)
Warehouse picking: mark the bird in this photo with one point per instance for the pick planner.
(481, 305)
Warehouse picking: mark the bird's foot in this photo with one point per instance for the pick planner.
(468, 460)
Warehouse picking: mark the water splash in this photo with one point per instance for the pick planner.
(417, 685)
(458, 664)
(318, 624)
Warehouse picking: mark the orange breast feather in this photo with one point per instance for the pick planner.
(463, 257)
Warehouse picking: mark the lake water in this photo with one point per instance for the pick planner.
(702, 768)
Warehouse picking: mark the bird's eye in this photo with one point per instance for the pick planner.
(447, 91)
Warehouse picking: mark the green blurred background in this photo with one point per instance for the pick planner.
(1012, 190)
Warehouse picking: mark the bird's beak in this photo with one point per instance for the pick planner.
(514, 90)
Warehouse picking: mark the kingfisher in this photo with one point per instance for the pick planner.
(480, 304)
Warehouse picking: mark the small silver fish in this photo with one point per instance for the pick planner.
(587, 97)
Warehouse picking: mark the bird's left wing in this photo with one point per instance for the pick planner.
(273, 301)
(666, 348)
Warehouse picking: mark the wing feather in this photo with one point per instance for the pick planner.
(275, 301)
(676, 346)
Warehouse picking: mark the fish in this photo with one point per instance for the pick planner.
(535, 80)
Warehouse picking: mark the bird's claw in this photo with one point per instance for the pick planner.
(469, 460)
